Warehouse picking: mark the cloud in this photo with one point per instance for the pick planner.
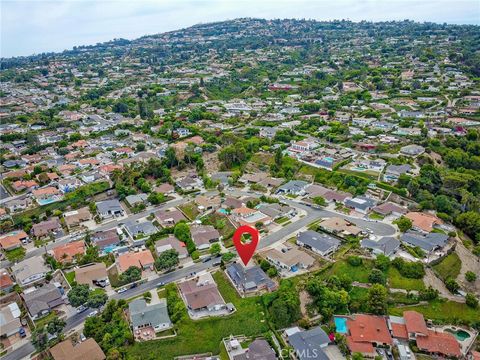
(33, 26)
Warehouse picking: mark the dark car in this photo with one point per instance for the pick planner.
(22, 332)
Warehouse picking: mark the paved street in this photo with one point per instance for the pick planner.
(107, 226)
(379, 229)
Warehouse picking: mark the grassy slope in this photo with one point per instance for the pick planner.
(204, 336)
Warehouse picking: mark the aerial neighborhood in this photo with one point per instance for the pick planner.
(352, 148)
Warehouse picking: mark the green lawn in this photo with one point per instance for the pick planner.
(376, 216)
(443, 311)
(190, 210)
(448, 267)
(356, 273)
(281, 220)
(70, 276)
(205, 336)
(397, 281)
(15, 254)
(44, 320)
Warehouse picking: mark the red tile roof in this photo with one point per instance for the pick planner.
(66, 253)
(369, 328)
(415, 323)
(440, 343)
(399, 331)
(360, 347)
(5, 280)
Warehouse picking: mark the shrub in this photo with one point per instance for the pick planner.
(354, 260)
(470, 276)
(411, 270)
(471, 300)
(452, 285)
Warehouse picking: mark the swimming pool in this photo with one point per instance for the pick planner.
(459, 334)
(46, 201)
(108, 249)
(341, 324)
(223, 211)
(358, 168)
(329, 159)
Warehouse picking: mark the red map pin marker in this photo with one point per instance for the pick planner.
(245, 250)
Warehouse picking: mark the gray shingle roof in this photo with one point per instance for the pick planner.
(143, 314)
(427, 242)
(309, 343)
(249, 278)
(320, 241)
(387, 245)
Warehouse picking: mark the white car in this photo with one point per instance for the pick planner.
(121, 290)
(93, 313)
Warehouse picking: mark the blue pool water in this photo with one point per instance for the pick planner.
(223, 211)
(329, 159)
(108, 249)
(46, 201)
(341, 324)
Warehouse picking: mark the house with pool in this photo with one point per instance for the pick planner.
(365, 333)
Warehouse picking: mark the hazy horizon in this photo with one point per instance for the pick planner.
(33, 26)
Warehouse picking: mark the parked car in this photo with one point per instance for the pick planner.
(93, 313)
(82, 337)
(22, 332)
(121, 290)
(81, 309)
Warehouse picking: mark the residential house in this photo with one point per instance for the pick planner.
(39, 302)
(201, 294)
(386, 245)
(171, 243)
(21, 185)
(105, 239)
(10, 320)
(412, 150)
(165, 189)
(365, 332)
(190, 182)
(247, 216)
(18, 204)
(360, 204)
(293, 187)
(46, 195)
(320, 243)
(333, 196)
(390, 209)
(6, 283)
(276, 210)
(141, 259)
(109, 209)
(289, 259)
(340, 226)
(69, 184)
(13, 240)
(428, 242)
(259, 349)
(249, 279)
(308, 344)
(133, 200)
(143, 315)
(88, 349)
(94, 274)
(169, 217)
(232, 203)
(204, 235)
(68, 252)
(205, 203)
(393, 172)
(253, 178)
(423, 222)
(76, 217)
(29, 270)
(412, 327)
(139, 229)
(47, 228)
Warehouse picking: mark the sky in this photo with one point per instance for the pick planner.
(35, 26)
